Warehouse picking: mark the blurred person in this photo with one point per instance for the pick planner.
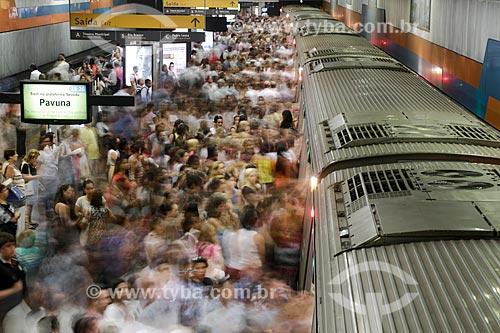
(265, 164)
(136, 174)
(60, 69)
(218, 124)
(251, 190)
(49, 171)
(35, 73)
(234, 127)
(170, 209)
(28, 255)
(12, 276)
(111, 79)
(217, 170)
(288, 122)
(147, 92)
(134, 77)
(49, 324)
(197, 276)
(96, 223)
(119, 311)
(156, 240)
(29, 172)
(65, 205)
(112, 156)
(120, 192)
(232, 191)
(83, 203)
(65, 156)
(12, 172)
(285, 171)
(243, 250)
(220, 215)
(208, 248)
(191, 225)
(147, 120)
(181, 136)
(97, 216)
(87, 324)
(23, 318)
(80, 165)
(225, 314)
(89, 139)
(9, 217)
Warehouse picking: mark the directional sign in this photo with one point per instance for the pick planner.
(221, 11)
(182, 37)
(138, 36)
(142, 35)
(93, 34)
(201, 3)
(133, 21)
(177, 11)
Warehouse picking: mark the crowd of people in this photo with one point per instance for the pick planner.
(181, 214)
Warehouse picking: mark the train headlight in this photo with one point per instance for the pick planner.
(437, 70)
(314, 183)
(312, 212)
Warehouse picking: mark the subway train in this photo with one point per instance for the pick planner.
(402, 231)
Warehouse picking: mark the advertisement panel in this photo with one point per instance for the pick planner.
(138, 63)
(175, 54)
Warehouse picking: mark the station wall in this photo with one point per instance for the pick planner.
(44, 44)
(35, 31)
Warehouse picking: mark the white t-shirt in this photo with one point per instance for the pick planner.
(240, 250)
(35, 75)
(84, 204)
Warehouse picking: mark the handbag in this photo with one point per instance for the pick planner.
(16, 195)
(29, 188)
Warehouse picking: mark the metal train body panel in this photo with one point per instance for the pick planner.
(405, 221)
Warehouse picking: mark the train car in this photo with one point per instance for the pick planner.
(402, 231)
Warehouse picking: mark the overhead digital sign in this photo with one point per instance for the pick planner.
(55, 102)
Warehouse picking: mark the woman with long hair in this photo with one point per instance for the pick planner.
(219, 213)
(287, 122)
(11, 171)
(97, 218)
(28, 171)
(65, 205)
(251, 189)
(120, 192)
(217, 170)
(285, 170)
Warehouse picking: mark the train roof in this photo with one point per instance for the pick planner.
(374, 114)
(424, 234)
(334, 44)
(446, 286)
